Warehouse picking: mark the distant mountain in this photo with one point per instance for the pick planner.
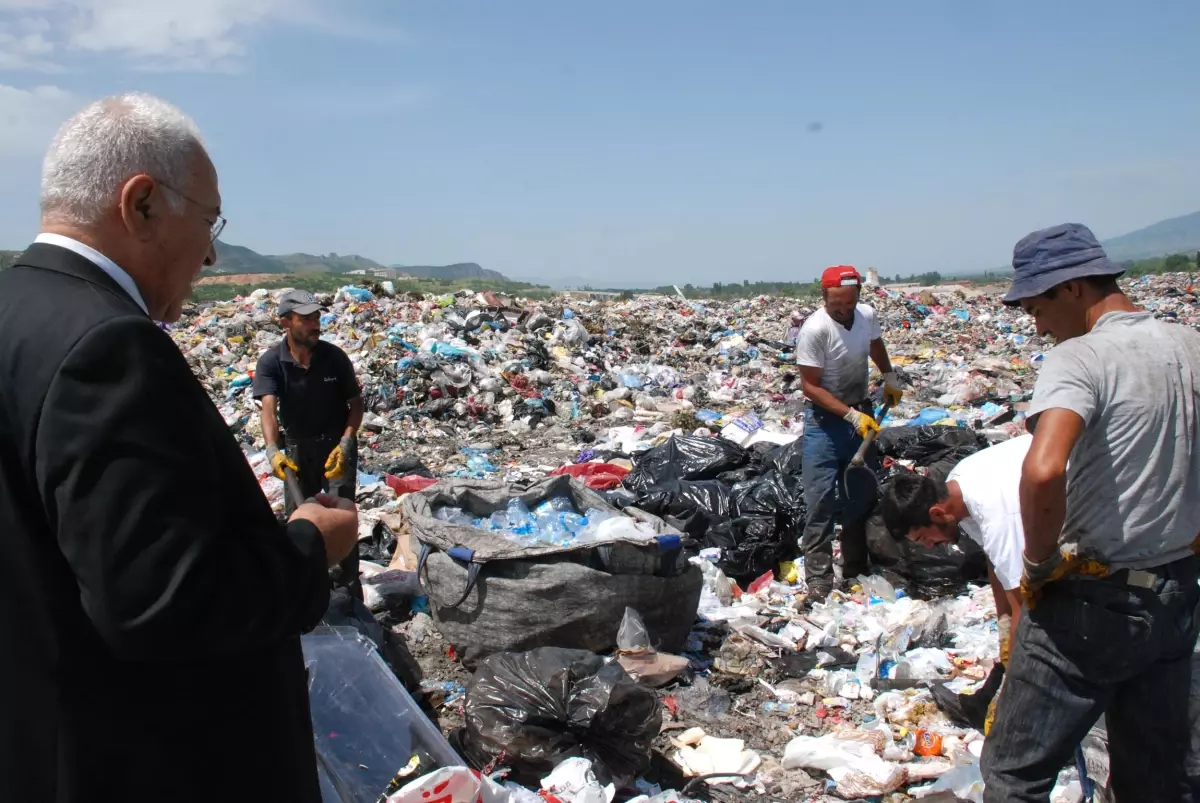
(331, 263)
(595, 283)
(1174, 236)
(456, 272)
(239, 259)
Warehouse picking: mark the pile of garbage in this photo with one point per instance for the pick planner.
(614, 490)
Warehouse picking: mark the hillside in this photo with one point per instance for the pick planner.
(1175, 236)
(330, 263)
(239, 259)
(452, 273)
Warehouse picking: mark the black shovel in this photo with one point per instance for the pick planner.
(859, 480)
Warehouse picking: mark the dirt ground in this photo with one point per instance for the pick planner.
(242, 278)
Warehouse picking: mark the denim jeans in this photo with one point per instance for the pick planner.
(829, 443)
(1093, 646)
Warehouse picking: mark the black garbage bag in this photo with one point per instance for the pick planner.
(692, 506)
(885, 550)
(757, 464)
(773, 493)
(927, 445)
(927, 572)
(538, 708)
(679, 498)
(943, 570)
(404, 466)
(380, 547)
(685, 457)
(750, 546)
(786, 459)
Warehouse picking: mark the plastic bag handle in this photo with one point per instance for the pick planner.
(458, 553)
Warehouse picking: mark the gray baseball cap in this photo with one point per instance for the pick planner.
(300, 302)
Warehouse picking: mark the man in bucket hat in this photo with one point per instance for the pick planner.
(1109, 578)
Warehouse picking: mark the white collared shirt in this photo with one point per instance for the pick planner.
(100, 261)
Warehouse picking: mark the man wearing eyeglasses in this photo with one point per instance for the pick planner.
(152, 611)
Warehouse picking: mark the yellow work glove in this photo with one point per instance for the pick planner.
(1056, 567)
(991, 714)
(1004, 624)
(279, 462)
(892, 392)
(335, 464)
(861, 422)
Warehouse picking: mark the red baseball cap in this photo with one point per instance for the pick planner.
(841, 276)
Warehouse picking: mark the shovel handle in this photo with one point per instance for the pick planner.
(293, 486)
(860, 456)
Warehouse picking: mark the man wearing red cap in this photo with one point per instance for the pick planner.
(832, 354)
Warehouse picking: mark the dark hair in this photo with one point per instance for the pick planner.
(1104, 285)
(907, 498)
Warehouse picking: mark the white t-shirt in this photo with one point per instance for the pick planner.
(990, 481)
(840, 352)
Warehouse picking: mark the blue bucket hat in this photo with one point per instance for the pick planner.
(1049, 257)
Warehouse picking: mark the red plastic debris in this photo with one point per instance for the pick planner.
(597, 476)
(409, 484)
(762, 583)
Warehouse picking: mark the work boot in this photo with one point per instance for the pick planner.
(819, 590)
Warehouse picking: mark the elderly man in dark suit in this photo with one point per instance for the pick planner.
(149, 631)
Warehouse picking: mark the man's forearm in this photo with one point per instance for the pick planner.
(1043, 511)
(270, 428)
(824, 399)
(354, 421)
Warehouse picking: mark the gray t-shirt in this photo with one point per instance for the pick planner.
(1133, 482)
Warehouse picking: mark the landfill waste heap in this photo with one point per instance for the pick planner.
(645, 453)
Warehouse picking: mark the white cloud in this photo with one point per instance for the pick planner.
(29, 118)
(152, 34)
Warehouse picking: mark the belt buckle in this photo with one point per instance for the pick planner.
(1141, 579)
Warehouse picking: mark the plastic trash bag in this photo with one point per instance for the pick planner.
(541, 707)
(633, 636)
(927, 445)
(750, 545)
(366, 726)
(853, 766)
(692, 506)
(685, 458)
(943, 570)
(452, 785)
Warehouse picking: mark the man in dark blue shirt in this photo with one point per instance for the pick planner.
(308, 385)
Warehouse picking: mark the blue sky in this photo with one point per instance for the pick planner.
(683, 140)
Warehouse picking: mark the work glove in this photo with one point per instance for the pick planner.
(280, 462)
(1038, 575)
(861, 422)
(892, 392)
(1004, 625)
(335, 464)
